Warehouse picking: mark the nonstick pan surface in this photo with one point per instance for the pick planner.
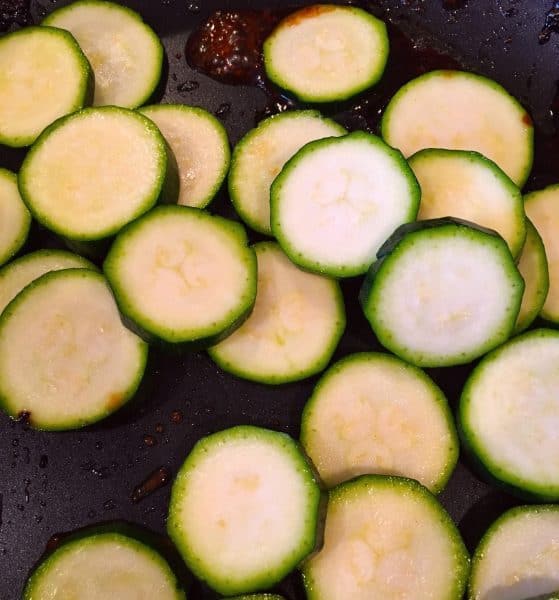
(56, 482)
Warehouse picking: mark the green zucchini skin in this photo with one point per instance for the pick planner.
(157, 544)
(7, 252)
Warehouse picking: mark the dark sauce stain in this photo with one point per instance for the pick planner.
(551, 24)
(159, 428)
(43, 461)
(151, 484)
(24, 419)
(150, 441)
(177, 417)
(55, 541)
(453, 4)
(14, 13)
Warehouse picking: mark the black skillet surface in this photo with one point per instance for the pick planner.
(53, 482)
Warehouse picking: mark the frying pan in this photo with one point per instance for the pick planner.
(54, 482)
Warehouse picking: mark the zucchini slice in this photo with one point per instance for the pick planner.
(244, 509)
(509, 414)
(101, 566)
(258, 597)
(517, 558)
(21, 272)
(442, 293)
(373, 413)
(457, 183)
(326, 53)
(461, 111)
(15, 219)
(125, 53)
(43, 76)
(542, 208)
(296, 324)
(182, 276)
(389, 538)
(261, 155)
(201, 148)
(338, 199)
(66, 359)
(533, 268)
(94, 171)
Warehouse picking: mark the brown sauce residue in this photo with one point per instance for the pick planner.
(153, 482)
(527, 120)
(114, 401)
(309, 12)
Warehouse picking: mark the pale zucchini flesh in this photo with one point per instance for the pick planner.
(373, 413)
(21, 272)
(244, 509)
(294, 328)
(91, 173)
(44, 75)
(260, 156)
(15, 219)
(66, 359)
(542, 208)
(325, 53)
(387, 537)
(461, 111)
(182, 276)
(517, 558)
(509, 415)
(125, 53)
(200, 146)
(101, 566)
(534, 270)
(442, 293)
(463, 184)
(338, 199)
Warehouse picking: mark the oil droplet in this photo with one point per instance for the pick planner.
(159, 428)
(109, 505)
(188, 86)
(223, 110)
(193, 7)
(177, 417)
(150, 441)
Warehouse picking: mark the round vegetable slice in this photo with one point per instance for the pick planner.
(456, 183)
(296, 324)
(442, 293)
(509, 414)
(21, 272)
(261, 155)
(461, 111)
(94, 171)
(517, 557)
(15, 219)
(180, 275)
(43, 76)
(100, 566)
(200, 146)
(387, 537)
(125, 53)
(258, 597)
(533, 268)
(324, 52)
(338, 199)
(244, 509)
(373, 413)
(66, 359)
(542, 208)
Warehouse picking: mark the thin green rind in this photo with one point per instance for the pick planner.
(219, 129)
(479, 552)
(269, 577)
(85, 539)
(378, 29)
(316, 146)
(21, 238)
(438, 397)
(475, 157)
(387, 115)
(159, 51)
(365, 484)
(5, 404)
(153, 332)
(232, 181)
(370, 295)
(37, 256)
(258, 597)
(502, 477)
(85, 90)
(319, 365)
(165, 189)
(530, 316)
